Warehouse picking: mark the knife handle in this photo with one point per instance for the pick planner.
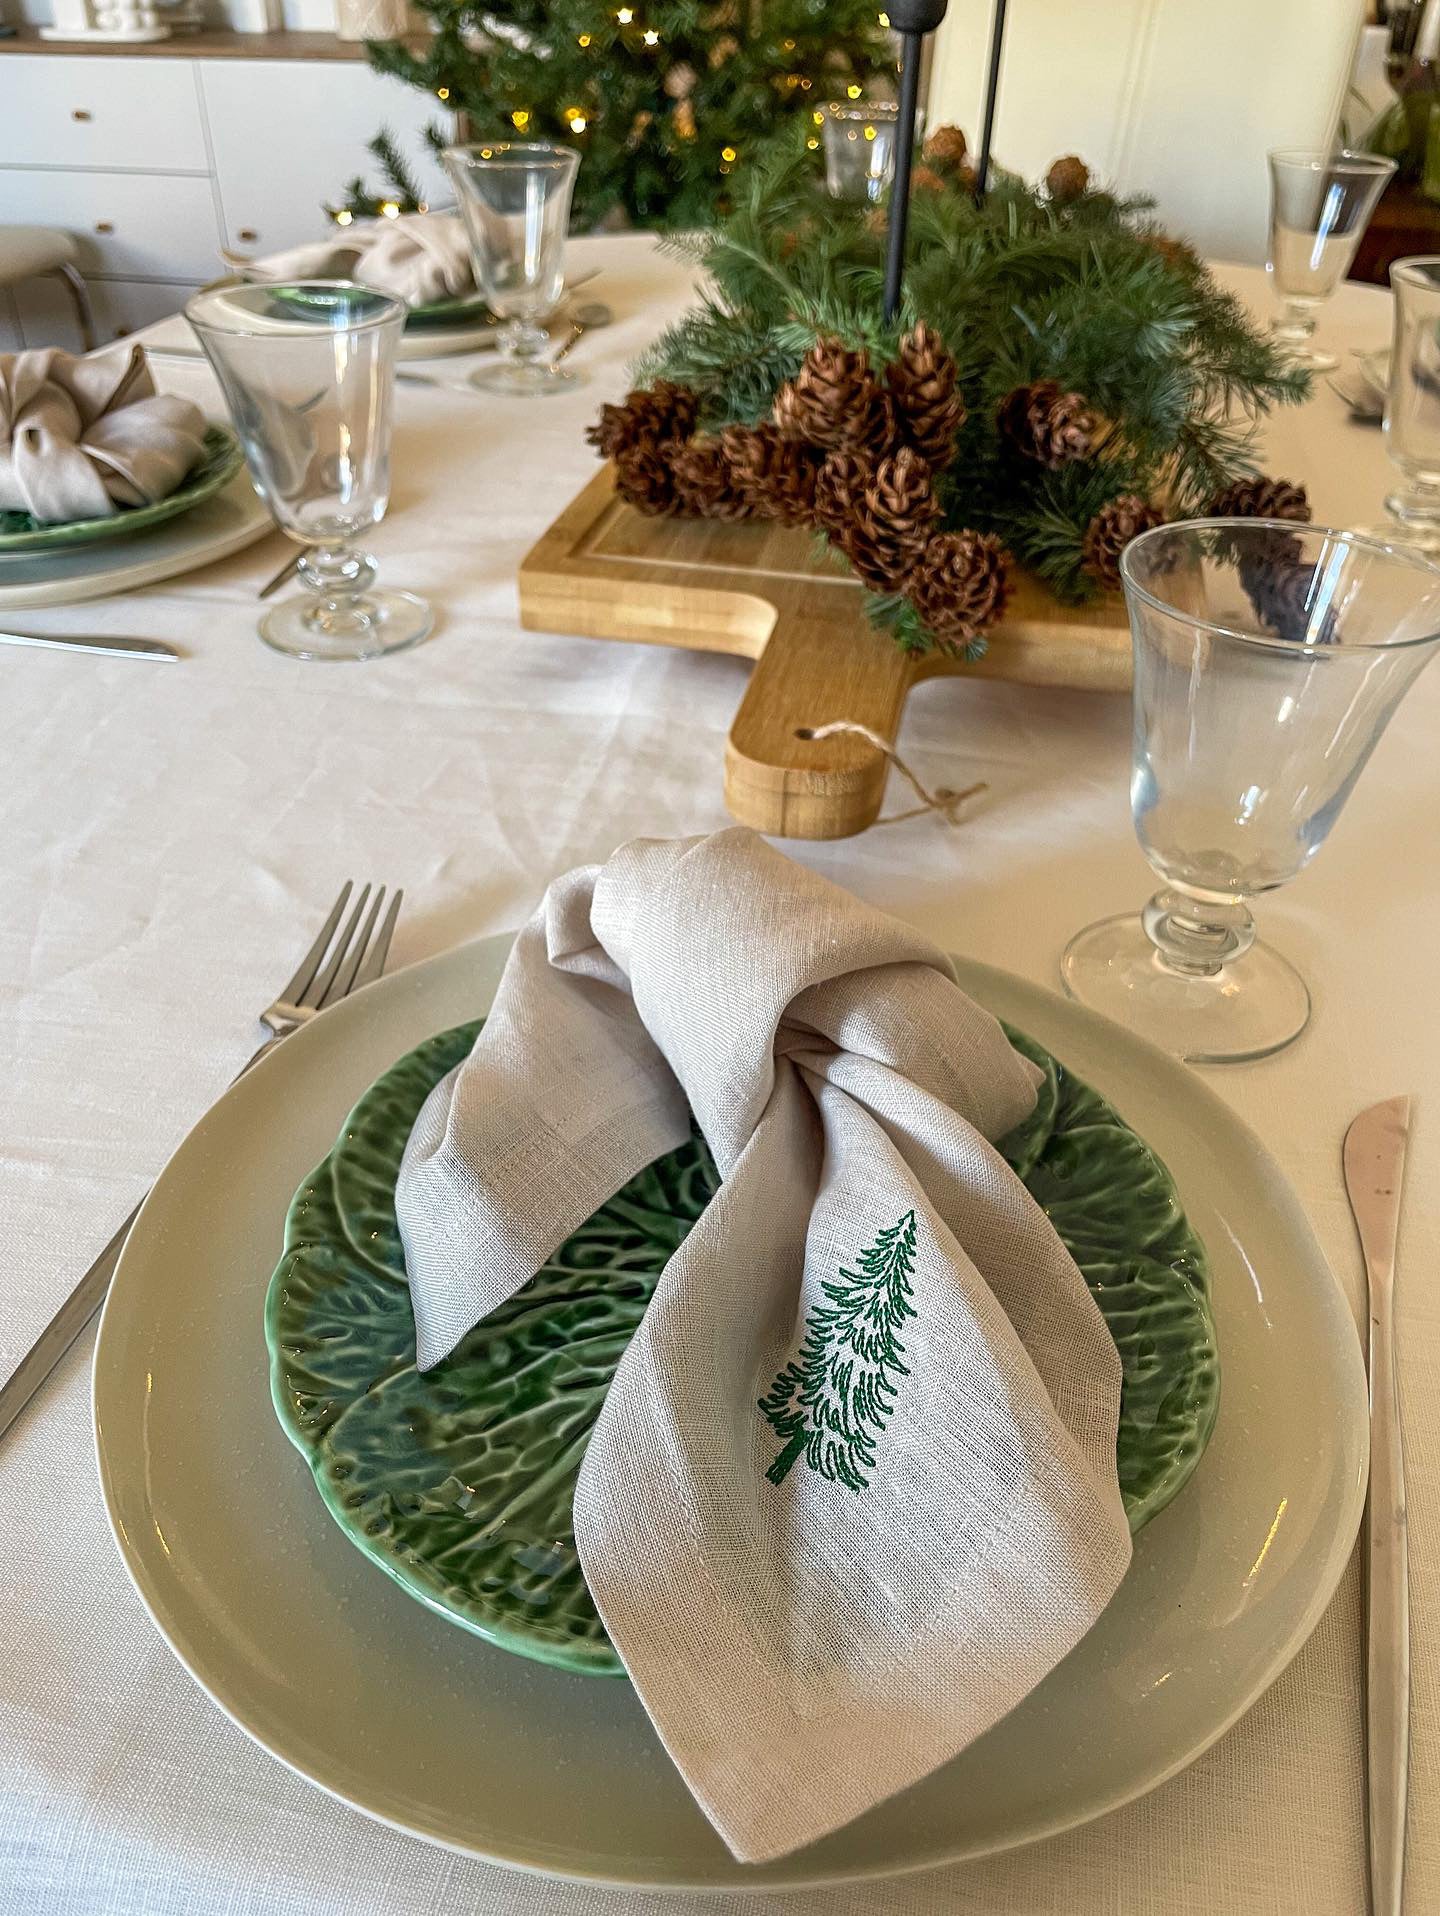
(1387, 1721)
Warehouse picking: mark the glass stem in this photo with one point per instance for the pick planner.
(339, 576)
(1296, 324)
(1194, 938)
(524, 342)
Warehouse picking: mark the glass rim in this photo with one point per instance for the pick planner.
(1316, 158)
(862, 109)
(512, 152)
(396, 307)
(1416, 269)
(1268, 641)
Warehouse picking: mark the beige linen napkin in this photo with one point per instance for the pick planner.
(852, 1493)
(417, 257)
(82, 438)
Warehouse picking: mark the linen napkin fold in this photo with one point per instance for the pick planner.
(417, 257)
(83, 438)
(852, 1493)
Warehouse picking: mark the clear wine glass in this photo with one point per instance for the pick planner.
(515, 200)
(1412, 403)
(859, 149)
(1320, 205)
(1269, 658)
(308, 373)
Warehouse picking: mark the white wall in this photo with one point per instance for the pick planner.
(1176, 98)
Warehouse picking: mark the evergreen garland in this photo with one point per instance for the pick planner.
(1083, 291)
(669, 102)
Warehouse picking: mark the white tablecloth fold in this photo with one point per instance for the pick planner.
(852, 1493)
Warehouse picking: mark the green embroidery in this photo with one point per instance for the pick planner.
(833, 1400)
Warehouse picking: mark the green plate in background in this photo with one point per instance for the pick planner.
(459, 1483)
(221, 459)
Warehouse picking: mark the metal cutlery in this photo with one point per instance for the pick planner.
(115, 646)
(274, 584)
(1374, 1160)
(340, 961)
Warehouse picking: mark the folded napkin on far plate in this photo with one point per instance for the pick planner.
(83, 438)
(418, 257)
(852, 1493)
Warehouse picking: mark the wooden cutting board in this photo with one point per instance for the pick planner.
(763, 592)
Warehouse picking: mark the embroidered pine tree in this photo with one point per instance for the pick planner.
(834, 1399)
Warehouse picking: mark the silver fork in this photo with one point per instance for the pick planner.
(333, 967)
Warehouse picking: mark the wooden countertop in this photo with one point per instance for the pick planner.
(211, 44)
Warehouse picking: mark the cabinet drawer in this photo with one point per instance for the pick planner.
(47, 315)
(73, 111)
(129, 225)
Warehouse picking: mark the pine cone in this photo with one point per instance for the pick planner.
(924, 179)
(892, 522)
(1047, 425)
(1261, 498)
(960, 586)
(664, 411)
(1111, 530)
(833, 389)
(1067, 179)
(1175, 252)
(925, 385)
(945, 149)
(775, 474)
(703, 485)
(840, 487)
(644, 479)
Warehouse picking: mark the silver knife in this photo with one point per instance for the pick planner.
(1374, 1171)
(120, 648)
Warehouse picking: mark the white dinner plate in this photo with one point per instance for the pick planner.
(226, 522)
(332, 1667)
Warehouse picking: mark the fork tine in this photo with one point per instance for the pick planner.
(379, 951)
(310, 963)
(344, 978)
(315, 996)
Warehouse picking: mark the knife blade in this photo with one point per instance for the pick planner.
(1374, 1159)
(117, 647)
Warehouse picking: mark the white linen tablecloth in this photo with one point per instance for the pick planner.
(169, 835)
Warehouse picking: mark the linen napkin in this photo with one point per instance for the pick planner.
(852, 1493)
(83, 438)
(417, 257)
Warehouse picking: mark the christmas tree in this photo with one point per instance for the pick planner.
(835, 1398)
(668, 102)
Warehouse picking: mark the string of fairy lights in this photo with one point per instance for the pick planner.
(578, 119)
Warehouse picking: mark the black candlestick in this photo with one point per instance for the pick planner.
(992, 89)
(912, 20)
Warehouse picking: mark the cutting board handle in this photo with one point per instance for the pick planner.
(818, 666)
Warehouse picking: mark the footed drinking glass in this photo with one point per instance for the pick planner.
(1269, 658)
(1320, 205)
(515, 200)
(308, 373)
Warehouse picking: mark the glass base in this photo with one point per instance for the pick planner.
(346, 631)
(1308, 359)
(526, 378)
(1256, 1004)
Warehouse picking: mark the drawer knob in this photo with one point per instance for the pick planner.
(82, 113)
(104, 226)
(247, 233)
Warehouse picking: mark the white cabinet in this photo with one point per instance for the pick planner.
(67, 110)
(156, 163)
(287, 135)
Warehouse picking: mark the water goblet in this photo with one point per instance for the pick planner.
(1412, 403)
(1320, 205)
(514, 197)
(859, 149)
(1269, 658)
(308, 373)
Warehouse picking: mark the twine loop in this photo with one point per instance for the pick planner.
(942, 801)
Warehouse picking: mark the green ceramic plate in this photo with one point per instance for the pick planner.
(459, 1482)
(221, 459)
(468, 310)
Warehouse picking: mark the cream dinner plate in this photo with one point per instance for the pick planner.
(227, 522)
(332, 1667)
